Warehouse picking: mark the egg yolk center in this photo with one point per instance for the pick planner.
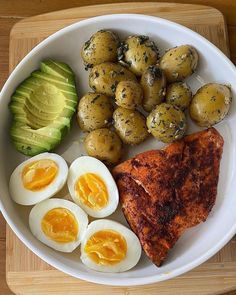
(39, 174)
(106, 247)
(92, 191)
(60, 225)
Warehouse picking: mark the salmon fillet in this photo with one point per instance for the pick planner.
(164, 192)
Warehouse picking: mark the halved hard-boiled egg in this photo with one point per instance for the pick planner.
(60, 224)
(38, 178)
(108, 246)
(92, 187)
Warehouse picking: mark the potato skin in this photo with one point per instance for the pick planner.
(101, 47)
(104, 145)
(179, 62)
(94, 111)
(130, 125)
(166, 123)
(153, 82)
(105, 77)
(179, 94)
(138, 52)
(129, 94)
(210, 104)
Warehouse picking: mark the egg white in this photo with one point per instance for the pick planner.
(23, 196)
(86, 164)
(134, 249)
(40, 210)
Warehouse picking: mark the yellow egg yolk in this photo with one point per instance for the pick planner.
(39, 174)
(106, 247)
(92, 191)
(60, 225)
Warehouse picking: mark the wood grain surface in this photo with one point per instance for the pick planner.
(10, 12)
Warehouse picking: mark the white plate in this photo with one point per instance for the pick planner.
(197, 244)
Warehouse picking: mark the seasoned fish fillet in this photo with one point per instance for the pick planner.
(164, 192)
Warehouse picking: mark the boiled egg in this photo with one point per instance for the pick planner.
(58, 223)
(92, 187)
(108, 246)
(38, 178)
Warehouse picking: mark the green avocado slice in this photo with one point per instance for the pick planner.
(42, 107)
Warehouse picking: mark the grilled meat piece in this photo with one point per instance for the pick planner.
(164, 192)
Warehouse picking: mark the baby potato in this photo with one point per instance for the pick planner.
(166, 123)
(153, 82)
(179, 94)
(101, 47)
(138, 52)
(210, 104)
(179, 62)
(129, 94)
(104, 145)
(130, 125)
(94, 111)
(105, 77)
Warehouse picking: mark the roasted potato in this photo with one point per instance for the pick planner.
(130, 125)
(101, 47)
(105, 77)
(104, 145)
(210, 104)
(153, 82)
(94, 111)
(129, 94)
(179, 62)
(179, 94)
(138, 52)
(166, 123)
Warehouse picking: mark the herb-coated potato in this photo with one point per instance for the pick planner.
(104, 145)
(101, 47)
(210, 104)
(179, 94)
(105, 77)
(166, 123)
(94, 111)
(130, 125)
(129, 94)
(138, 52)
(179, 62)
(153, 82)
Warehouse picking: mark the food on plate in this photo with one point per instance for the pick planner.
(105, 145)
(153, 82)
(129, 94)
(38, 178)
(210, 104)
(42, 108)
(60, 224)
(164, 192)
(92, 187)
(109, 246)
(137, 53)
(105, 77)
(130, 125)
(179, 62)
(166, 123)
(94, 111)
(179, 94)
(101, 47)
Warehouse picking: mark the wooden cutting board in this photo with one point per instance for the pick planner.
(25, 272)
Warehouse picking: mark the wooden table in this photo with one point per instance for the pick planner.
(13, 10)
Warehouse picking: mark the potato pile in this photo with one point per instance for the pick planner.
(136, 92)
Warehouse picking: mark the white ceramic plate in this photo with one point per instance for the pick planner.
(197, 244)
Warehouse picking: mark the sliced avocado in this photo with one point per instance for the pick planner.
(28, 150)
(42, 107)
(54, 68)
